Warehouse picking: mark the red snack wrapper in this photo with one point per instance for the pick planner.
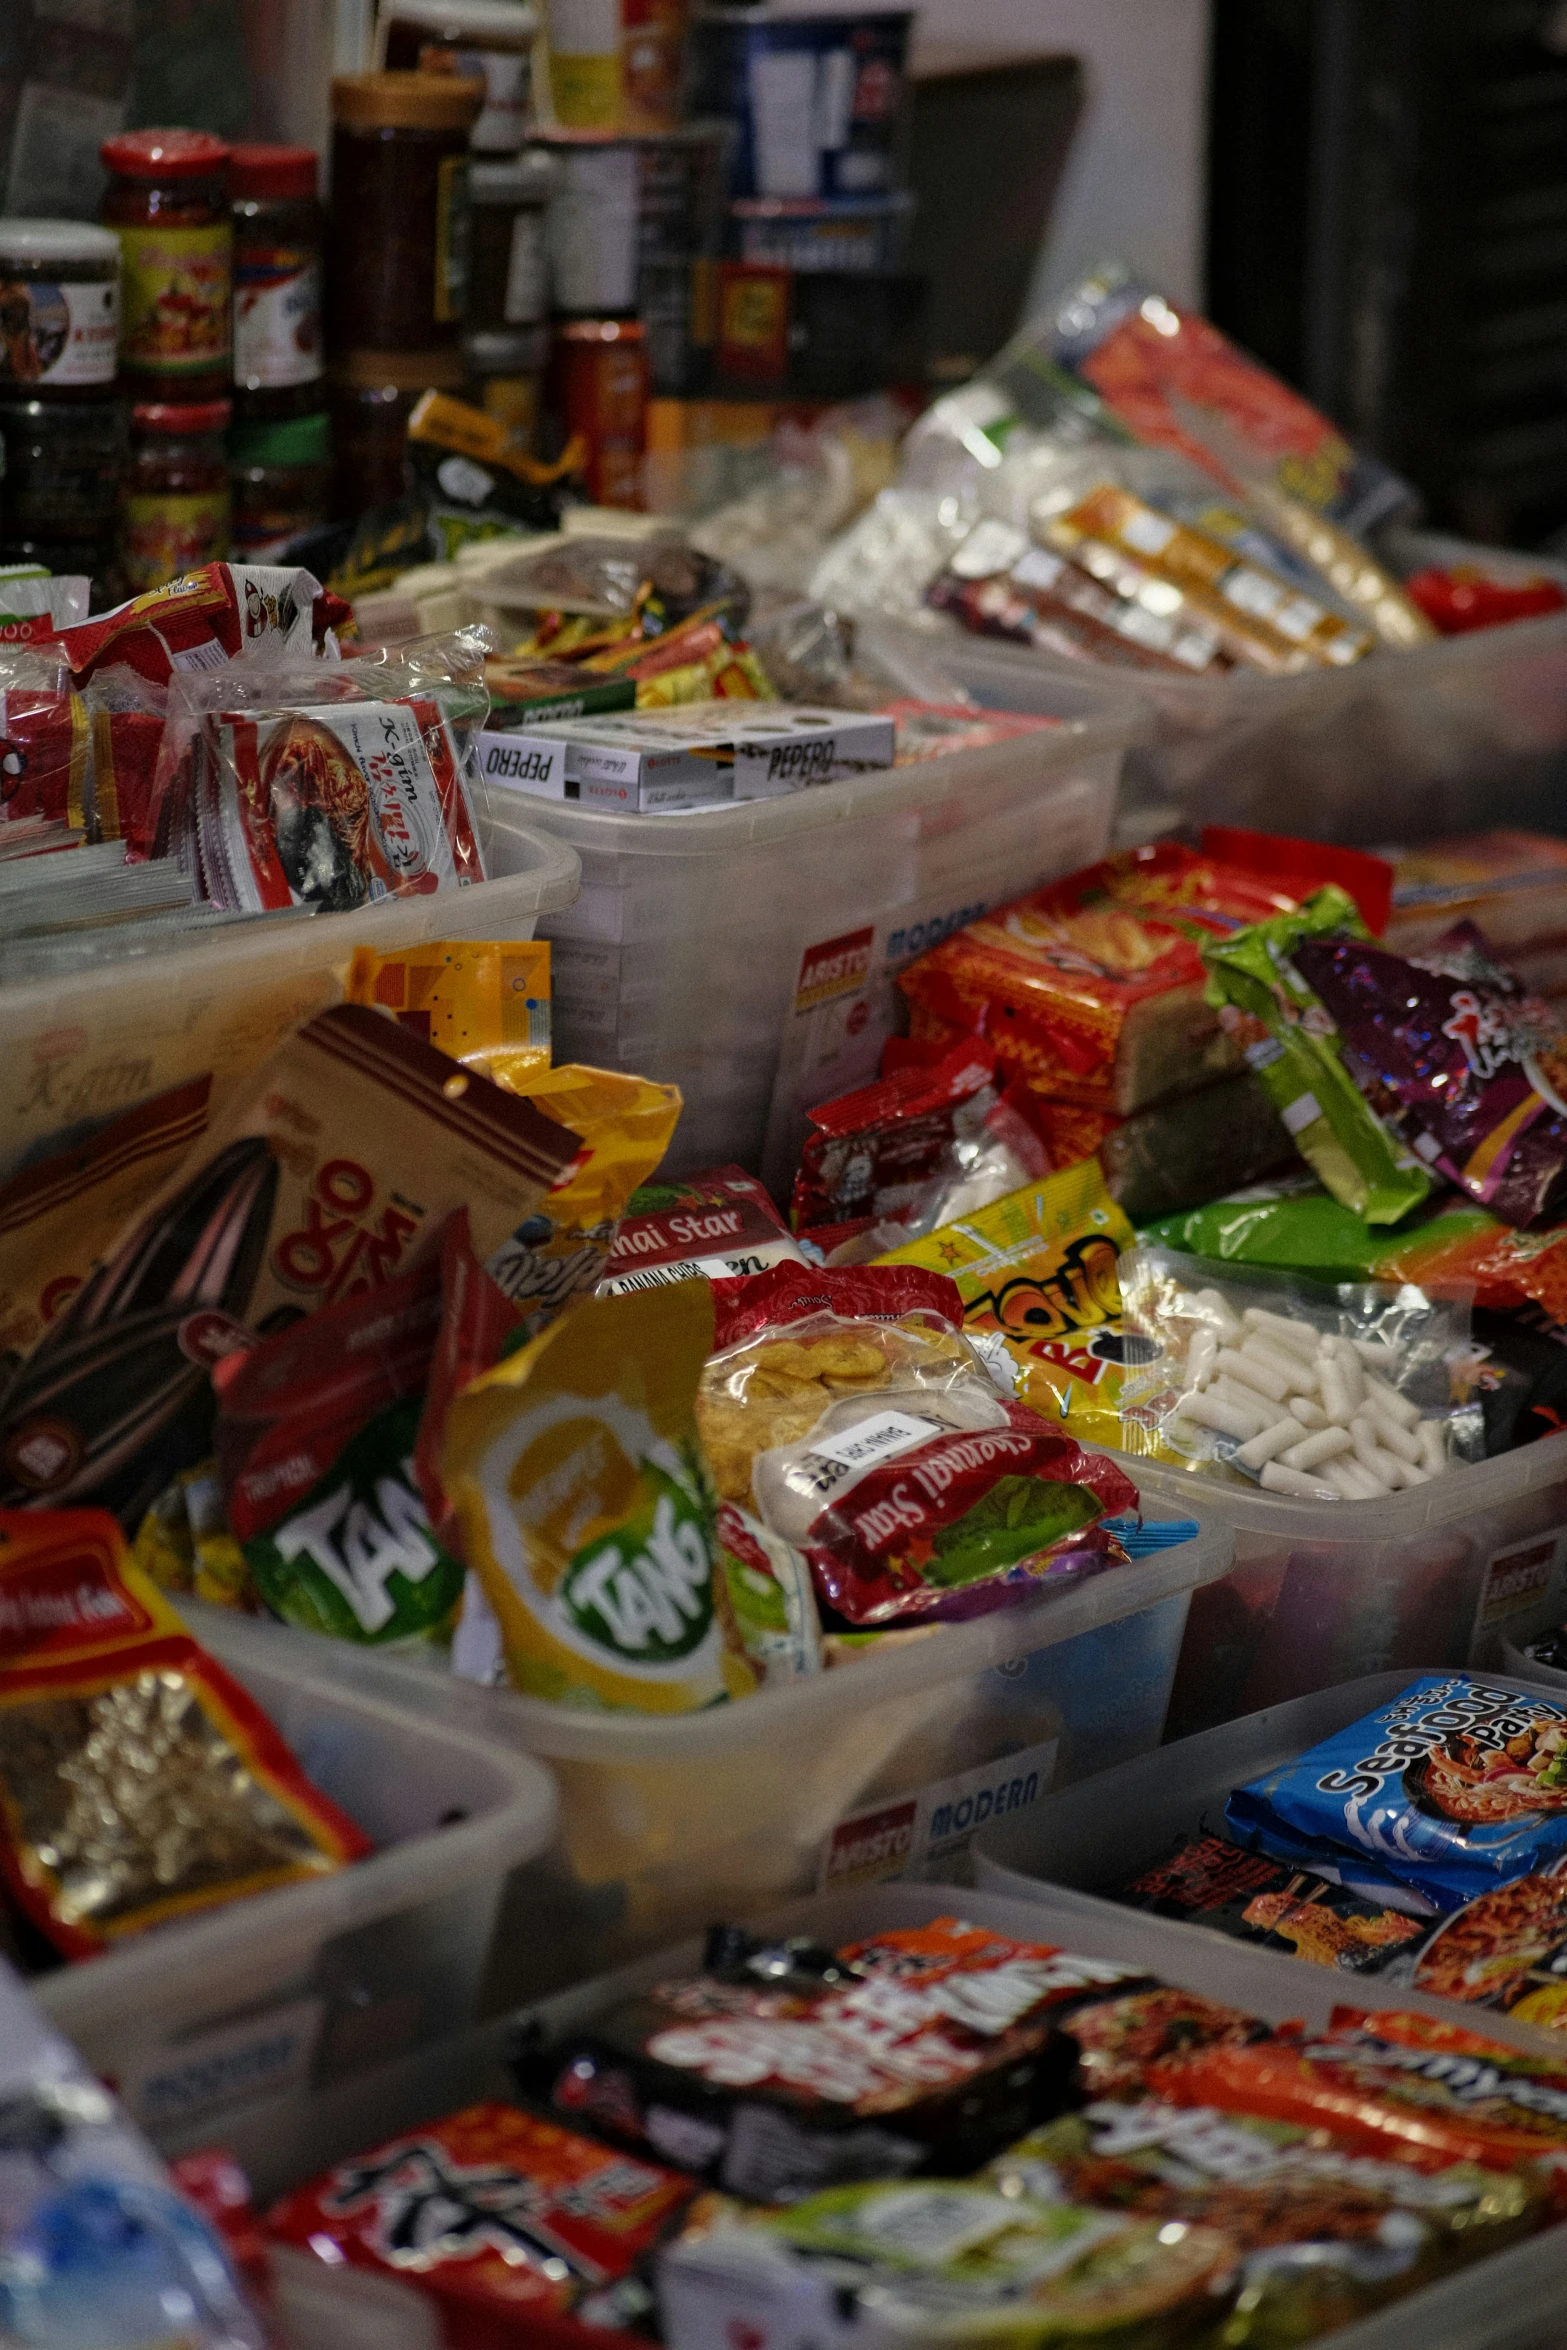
(720, 1223)
(1477, 1063)
(138, 1780)
(1467, 597)
(125, 746)
(1429, 2093)
(43, 738)
(868, 1152)
(204, 620)
(503, 2218)
(752, 1303)
(1090, 990)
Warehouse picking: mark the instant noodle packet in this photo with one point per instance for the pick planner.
(1090, 990)
(1456, 1785)
(845, 1416)
(1259, 984)
(1507, 1950)
(586, 1509)
(1206, 1881)
(467, 997)
(206, 619)
(139, 1782)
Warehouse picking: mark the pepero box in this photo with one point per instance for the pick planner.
(690, 756)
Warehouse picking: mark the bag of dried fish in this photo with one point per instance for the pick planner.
(138, 1781)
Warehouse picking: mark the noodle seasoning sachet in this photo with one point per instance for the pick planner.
(139, 1782)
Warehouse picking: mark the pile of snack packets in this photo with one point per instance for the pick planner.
(941, 2133)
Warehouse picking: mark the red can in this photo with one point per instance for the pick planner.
(601, 388)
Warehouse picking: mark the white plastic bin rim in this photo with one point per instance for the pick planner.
(889, 791)
(1472, 1489)
(513, 1819)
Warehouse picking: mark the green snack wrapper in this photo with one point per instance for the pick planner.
(1290, 1041)
(1297, 1227)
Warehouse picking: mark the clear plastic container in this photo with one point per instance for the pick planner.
(1324, 1592)
(883, 1767)
(1086, 1837)
(101, 1040)
(316, 1981)
(683, 956)
(1510, 2302)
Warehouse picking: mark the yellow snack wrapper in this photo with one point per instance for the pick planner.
(625, 1124)
(586, 1509)
(1038, 1271)
(467, 997)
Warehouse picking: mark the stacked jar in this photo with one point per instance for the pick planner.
(167, 202)
(506, 345)
(480, 40)
(398, 264)
(279, 448)
(62, 427)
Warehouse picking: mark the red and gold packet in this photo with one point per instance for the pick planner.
(139, 1782)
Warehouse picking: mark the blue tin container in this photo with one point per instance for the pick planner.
(820, 103)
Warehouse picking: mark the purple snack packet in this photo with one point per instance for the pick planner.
(1478, 1064)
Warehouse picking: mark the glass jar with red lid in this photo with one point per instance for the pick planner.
(167, 201)
(175, 512)
(277, 283)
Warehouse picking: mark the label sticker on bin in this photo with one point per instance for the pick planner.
(257, 2056)
(1523, 1579)
(926, 1834)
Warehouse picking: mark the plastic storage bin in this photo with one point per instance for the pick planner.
(1324, 1592)
(1092, 1836)
(699, 938)
(881, 1768)
(1509, 2302)
(315, 1981)
(103, 1039)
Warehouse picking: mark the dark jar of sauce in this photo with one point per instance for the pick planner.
(400, 209)
(175, 515)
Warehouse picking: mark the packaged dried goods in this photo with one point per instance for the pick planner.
(721, 1224)
(140, 1781)
(1118, 2035)
(467, 997)
(869, 1153)
(206, 619)
(1207, 1881)
(1507, 1949)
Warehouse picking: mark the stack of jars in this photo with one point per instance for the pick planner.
(62, 425)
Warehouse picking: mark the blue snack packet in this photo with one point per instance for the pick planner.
(1450, 1789)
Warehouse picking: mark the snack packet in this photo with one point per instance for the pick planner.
(1116, 2036)
(43, 747)
(1507, 1950)
(184, 1544)
(503, 2218)
(315, 1444)
(1478, 1065)
(1263, 993)
(1090, 989)
(844, 1415)
(467, 997)
(317, 1185)
(207, 619)
(1453, 1787)
(869, 1152)
(586, 1509)
(138, 1780)
(1036, 1273)
(720, 1223)
(1205, 1881)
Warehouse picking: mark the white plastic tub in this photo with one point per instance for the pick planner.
(1324, 1592)
(683, 957)
(114, 1034)
(1088, 1837)
(315, 1981)
(1509, 2302)
(880, 1768)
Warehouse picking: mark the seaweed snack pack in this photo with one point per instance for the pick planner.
(1036, 1272)
(1090, 990)
(784, 2067)
(586, 1511)
(1327, 2232)
(504, 2219)
(467, 997)
(1259, 982)
(1477, 1064)
(139, 1782)
(721, 1223)
(1340, 1394)
(319, 1183)
(937, 2261)
(1451, 1789)
(1207, 1881)
(846, 1419)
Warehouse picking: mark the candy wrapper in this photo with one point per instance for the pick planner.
(1036, 1272)
(943, 2261)
(1454, 1787)
(1090, 990)
(317, 1185)
(586, 1510)
(467, 997)
(315, 1445)
(720, 1224)
(782, 2068)
(139, 1781)
(1205, 1881)
(844, 1415)
(1341, 1394)
(506, 2220)
(1327, 2233)
(1267, 1005)
(890, 1153)
(1478, 1065)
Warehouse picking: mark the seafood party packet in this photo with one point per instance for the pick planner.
(1453, 1787)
